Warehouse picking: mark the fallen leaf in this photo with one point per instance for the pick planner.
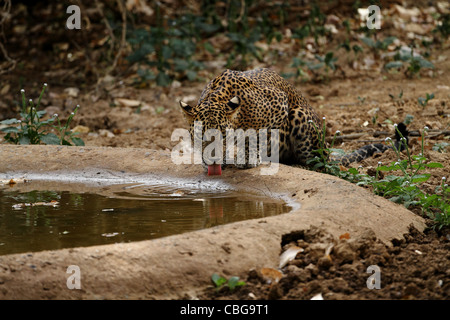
(5, 89)
(289, 255)
(128, 102)
(317, 297)
(344, 236)
(12, 182)
(271, 275)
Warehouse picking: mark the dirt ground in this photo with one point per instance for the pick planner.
(357, 102)
(416, 267)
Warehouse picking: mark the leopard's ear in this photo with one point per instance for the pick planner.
(233, 104)
(187, 109)
(233, 107)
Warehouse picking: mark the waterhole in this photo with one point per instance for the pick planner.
(34, 217)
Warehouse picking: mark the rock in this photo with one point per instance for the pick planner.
(274, 292)
(324, 263)
(343, 252)
(106, 133)
(299, 274)
(72, 92)
(81, 129)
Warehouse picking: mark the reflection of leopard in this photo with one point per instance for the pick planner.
(259, 99)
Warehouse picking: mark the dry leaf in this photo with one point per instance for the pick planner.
(289, 255)
(5, 89)
(344, 236)
(317, 297)
(128, 102)
(12, 182)
(271, 275)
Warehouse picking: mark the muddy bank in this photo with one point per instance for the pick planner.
(153, 269)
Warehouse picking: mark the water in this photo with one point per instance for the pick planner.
(36, 220)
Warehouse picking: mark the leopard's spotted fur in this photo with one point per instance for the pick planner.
(259, 99)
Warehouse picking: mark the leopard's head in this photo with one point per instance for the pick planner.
(213, 116)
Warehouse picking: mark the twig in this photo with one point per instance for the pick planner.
(5, 14)
(123, 10)
(351, 136)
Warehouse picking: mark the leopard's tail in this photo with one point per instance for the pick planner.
(369, 150)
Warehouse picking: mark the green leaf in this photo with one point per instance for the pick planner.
(191, 74)
(41, 113)
(393, 64)
(385, 168)
(368, 41)
(218, 280)
(357, 49)
(425, 63)
(166, 52)
(420, 178)
(312, 66)
(24, 140)
(50, 138)
(209, 47)
(10, 130)
(434, 165)
(78, 142)
(9, 121)
(162, 79)
(64, 142)
(408, 119)
(234, 282)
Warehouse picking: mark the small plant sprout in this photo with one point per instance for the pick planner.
(221, 282)
(424, 101)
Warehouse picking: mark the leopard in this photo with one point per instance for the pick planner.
(262, 99)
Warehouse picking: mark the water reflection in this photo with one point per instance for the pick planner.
(84, 219)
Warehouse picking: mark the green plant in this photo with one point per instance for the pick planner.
(31, 129)
(65, 134)
(415, 62)
(314, 25)
(441, 147)
(403, 188)
(242, 35)
(424, 101)
(168, 48)
(322, 161)
(377, 45)
(397, 98)
(326, 62)
(443, 26)
(243, 46)
(221, 282)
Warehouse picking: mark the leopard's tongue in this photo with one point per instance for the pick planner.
(214, 170)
